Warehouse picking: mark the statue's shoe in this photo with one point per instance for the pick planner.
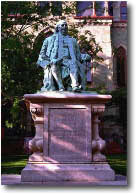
(76, 89)
(61, 89)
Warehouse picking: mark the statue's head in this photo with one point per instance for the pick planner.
(62, 27)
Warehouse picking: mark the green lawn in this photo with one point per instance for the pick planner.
(14, 164)
(118, 162)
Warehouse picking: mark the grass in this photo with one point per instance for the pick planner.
(118, 162)
(15, 164)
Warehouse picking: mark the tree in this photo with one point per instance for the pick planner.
(19, 72)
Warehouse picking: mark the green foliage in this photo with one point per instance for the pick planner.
(118, 95)
(8, 125)
(119, 99)
(100, 90)
(73, 32)
(15, 108)
(69, 7)
(19, 72)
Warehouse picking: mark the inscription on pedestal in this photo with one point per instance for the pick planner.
(67, 133)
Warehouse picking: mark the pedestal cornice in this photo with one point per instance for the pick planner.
(67, 97)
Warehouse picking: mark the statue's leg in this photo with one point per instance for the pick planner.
(48, 81)
(74, 75)
(82, 73)
(56, 72)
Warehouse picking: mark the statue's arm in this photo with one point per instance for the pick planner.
(78, 54)
(86, 57)
(43, 59)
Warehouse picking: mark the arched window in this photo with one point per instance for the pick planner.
(121, 68)
(94, 8)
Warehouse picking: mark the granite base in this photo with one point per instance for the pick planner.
(67, 172)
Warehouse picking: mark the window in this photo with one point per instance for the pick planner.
(110, 8)
(121, 67)
(99, 7)
(56, 7)
(90, 8)
(123, 10)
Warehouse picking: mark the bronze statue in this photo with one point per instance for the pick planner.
(64, 65)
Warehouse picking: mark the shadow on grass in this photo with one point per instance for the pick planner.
(11, 170)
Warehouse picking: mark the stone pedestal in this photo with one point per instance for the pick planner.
(67, 145)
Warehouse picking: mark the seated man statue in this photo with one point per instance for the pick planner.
(62, 61)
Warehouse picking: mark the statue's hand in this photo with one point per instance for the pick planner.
(56, 61)
(53, 61)
(59, 61)
(85, 57)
